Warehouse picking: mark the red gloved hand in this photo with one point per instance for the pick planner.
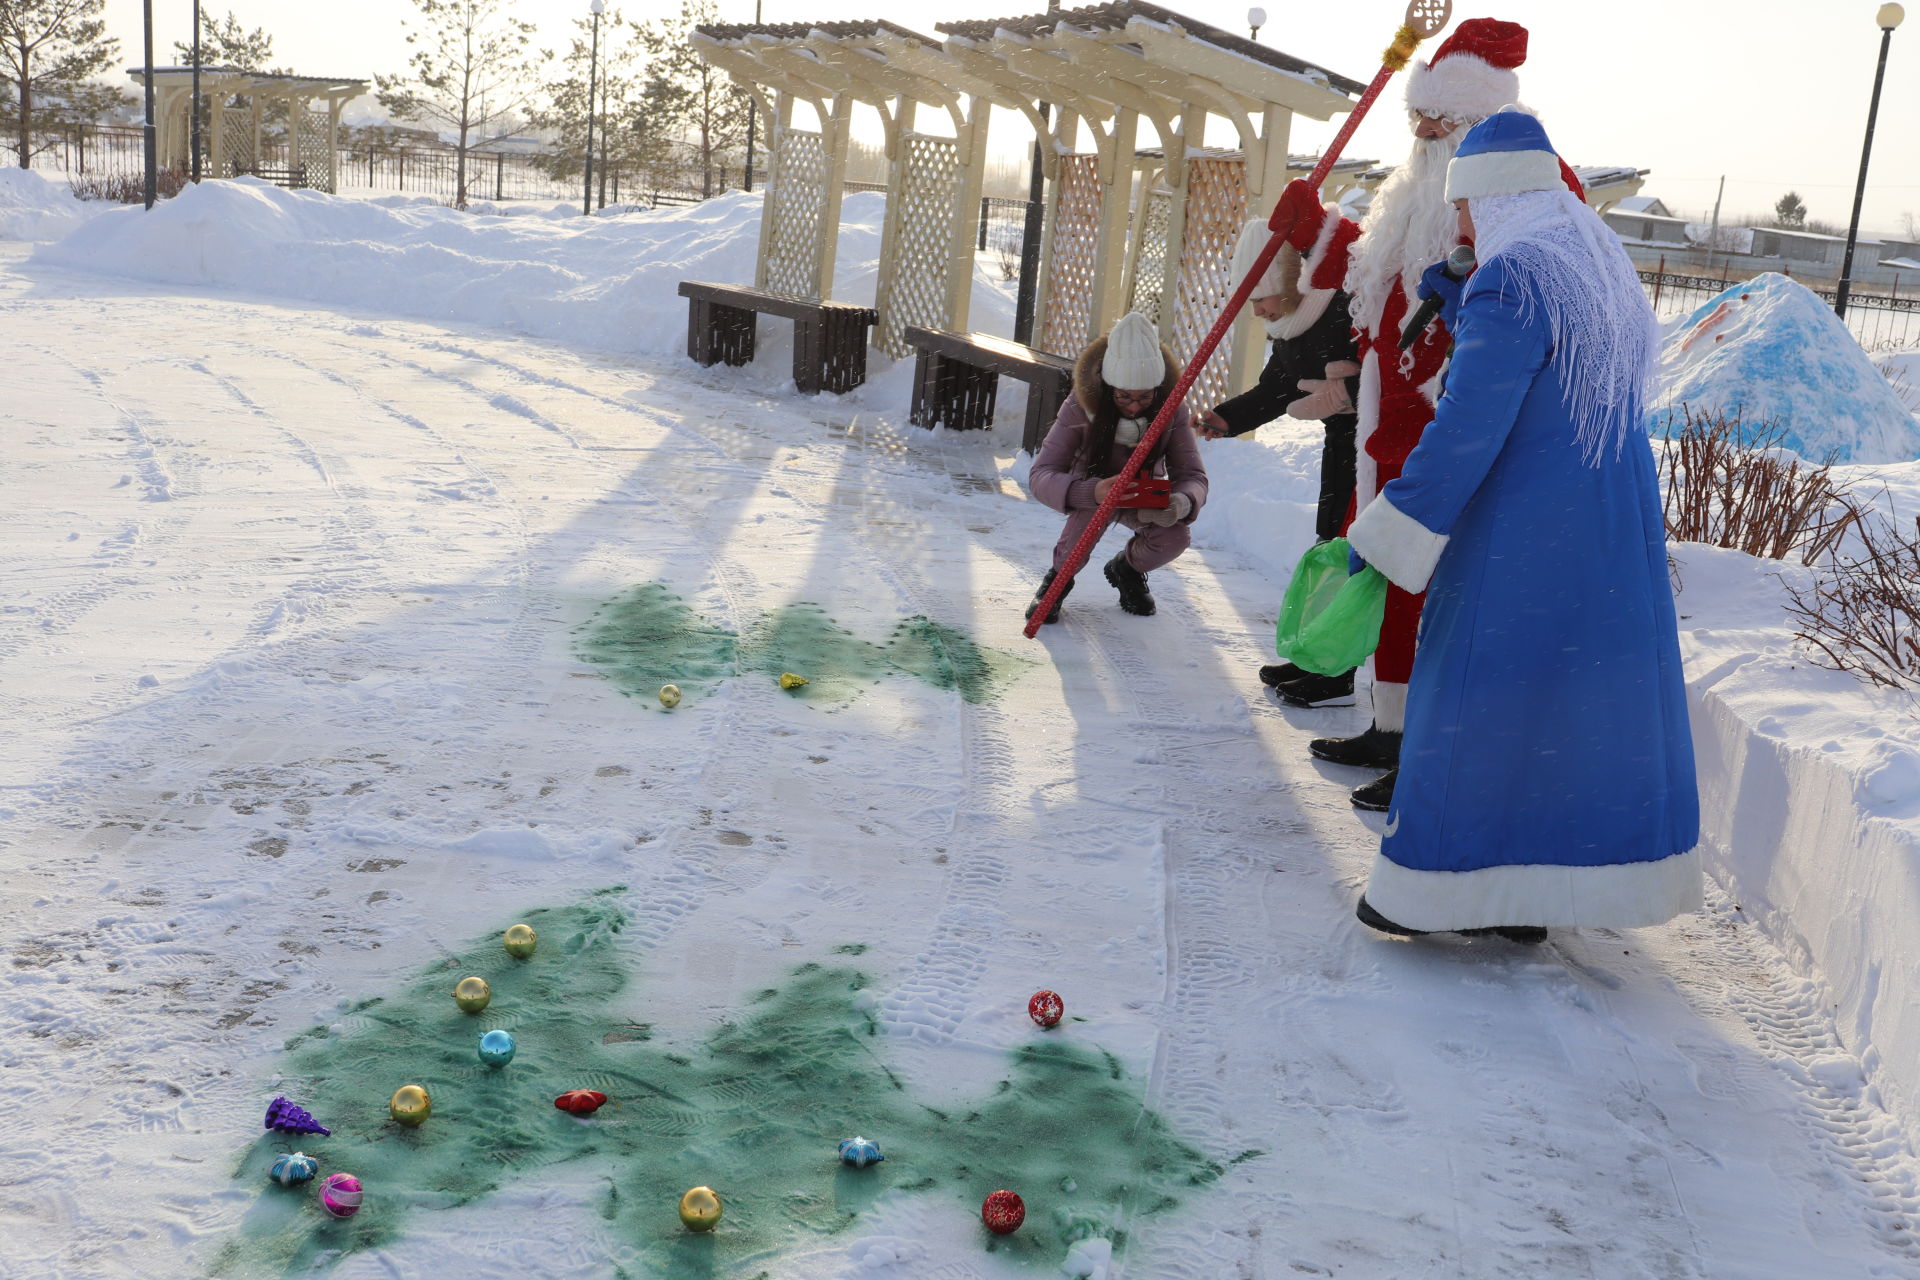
(1297, 215)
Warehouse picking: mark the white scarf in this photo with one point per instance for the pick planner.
(1313, 305)
(1127, 431)
(1606, 342)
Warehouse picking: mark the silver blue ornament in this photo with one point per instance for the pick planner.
(294, 1168)
(497, 1048)
(860, 1152)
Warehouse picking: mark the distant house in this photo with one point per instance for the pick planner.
(1651, 224)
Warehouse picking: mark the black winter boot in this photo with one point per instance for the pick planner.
(1377, 748)
(1053, 615)
(1312, 690)
(1376, 796)
(1131, 584)
(1379, 923)
(1275, 676)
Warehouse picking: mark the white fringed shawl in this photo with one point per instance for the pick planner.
(1606, 342)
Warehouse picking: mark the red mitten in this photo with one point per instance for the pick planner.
(1298, 214)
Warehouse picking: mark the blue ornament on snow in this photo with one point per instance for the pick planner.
(294, 1168)
(860, 1152)
(497, 1048)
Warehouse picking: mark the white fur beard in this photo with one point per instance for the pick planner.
(1409, 226)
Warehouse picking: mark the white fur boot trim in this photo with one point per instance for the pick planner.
(1389, 707)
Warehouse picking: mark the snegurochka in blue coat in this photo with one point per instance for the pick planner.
(1546, 776)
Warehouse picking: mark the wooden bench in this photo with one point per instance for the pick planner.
(829, 338)
(294, 178)
(956, 376)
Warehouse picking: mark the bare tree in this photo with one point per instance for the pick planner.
(619, 103)
(225, 43)
(471, 72)
(50, 50)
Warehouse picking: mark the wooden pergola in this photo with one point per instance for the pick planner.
(232, 140)
(1127, 228)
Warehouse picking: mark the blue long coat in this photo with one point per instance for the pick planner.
(1546, 774)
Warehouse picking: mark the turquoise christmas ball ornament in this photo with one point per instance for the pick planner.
(294, 1168)
(497, 1048)
(860, 1152)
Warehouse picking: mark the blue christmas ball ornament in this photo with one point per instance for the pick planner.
(860, 1152)
(294, 1168)
(496, 1048)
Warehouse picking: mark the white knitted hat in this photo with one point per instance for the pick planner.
(1133, 361)
(1253, 238)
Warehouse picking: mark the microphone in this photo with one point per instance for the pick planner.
(1460, 264)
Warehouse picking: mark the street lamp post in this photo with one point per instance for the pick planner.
(1256, 19)
(593, 70)
(195, 112)
(152, 142)
(1888, 18)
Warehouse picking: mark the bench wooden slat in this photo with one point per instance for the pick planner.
(956, 378)
(829, 338)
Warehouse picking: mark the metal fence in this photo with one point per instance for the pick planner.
(1878, 323)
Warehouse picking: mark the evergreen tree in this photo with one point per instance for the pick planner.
(225, 43)
(1790, 210)
(50, 50)
(689, 98)
(471, 71)
(618, 88)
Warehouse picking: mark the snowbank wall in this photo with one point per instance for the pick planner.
(1836, 887)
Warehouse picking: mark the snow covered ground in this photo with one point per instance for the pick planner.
(302, 643)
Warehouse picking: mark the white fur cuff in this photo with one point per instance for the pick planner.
(1624, 895)
(1397, 545)
(1503, 173)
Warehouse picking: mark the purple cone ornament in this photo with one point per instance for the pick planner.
(340, 1195)
(285, 1117)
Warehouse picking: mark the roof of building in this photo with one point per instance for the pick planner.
(259, 79)
(1116, 15)
(862, 29)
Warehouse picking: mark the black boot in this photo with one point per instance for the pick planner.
(1275, 676)
(1377, 748)
(1379, 923)
(1053, 615)
(1376, 796)
(1131, 584)
(1312, 690)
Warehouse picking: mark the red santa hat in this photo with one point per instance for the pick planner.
(1473, 73)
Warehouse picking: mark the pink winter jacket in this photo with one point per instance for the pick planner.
(1054, 481)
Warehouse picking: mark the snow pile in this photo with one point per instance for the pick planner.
(1770, 353)
(539, 269)
(35, 207)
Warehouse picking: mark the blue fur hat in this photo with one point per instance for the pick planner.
(1503, 155)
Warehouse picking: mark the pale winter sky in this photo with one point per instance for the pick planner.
(1771, 93)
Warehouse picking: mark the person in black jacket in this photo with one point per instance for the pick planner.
(1310, 375)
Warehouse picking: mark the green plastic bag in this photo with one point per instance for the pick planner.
(1330, 621)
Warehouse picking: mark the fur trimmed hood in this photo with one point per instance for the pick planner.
(1089, 385)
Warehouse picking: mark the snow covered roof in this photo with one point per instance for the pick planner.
(1115, 17)
(1653, 206)
(1900, 264)
(871, 28)
(279, 83)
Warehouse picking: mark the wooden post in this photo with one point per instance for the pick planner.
(905, 118)
(1193, 128)
(1264, 184)
(835, 135)
(770, 202)
(333, 145)
(1116, 174)
(973, 167)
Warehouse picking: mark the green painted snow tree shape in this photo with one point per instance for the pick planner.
(754, 1110)
(647, 637)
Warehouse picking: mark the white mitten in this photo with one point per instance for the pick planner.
(1328, 396)
(1178, 505)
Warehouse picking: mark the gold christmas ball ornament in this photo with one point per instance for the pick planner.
(700, 1209)
(790, 681)
(410, 1104)
(473, 994)
(520, 940)
(669, 696)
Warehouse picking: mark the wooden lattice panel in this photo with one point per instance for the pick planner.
(317, 156)
(236, 142)
(1074, 258)
(1149, 268)
(917, 288)
(799, 194)
(1216, 208)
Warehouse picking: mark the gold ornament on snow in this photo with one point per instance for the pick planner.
(700, 1209)
(410, 1104)
(520, 940)
(790, 681)
(669, 696)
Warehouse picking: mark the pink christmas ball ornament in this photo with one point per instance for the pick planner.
(340, 1195)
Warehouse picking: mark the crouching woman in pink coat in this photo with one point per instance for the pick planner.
(1119, 384)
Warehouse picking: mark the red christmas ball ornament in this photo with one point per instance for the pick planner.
(1003, 1212)
(1046, 1009)
(581, 1102)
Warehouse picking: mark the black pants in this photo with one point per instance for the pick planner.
(1337, 461)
